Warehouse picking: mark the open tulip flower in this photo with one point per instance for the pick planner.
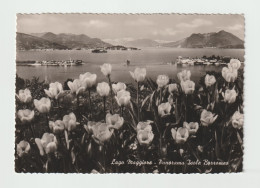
(115, 120)
(103, 89)
(26, 116)
(43, 105)
(76, 87)
(88, 80)
(106, 69)
(172, 88)
(192, 127)
(24, 96)
(23, 148)
(118, 87)
(123, 98)
(55, 90)
(207, 118)
(70, 121)
(57, 127)
(164, 109)
(184, 75)
(144, 125)
(230, 96)
(162, 80)
(229, 74)
(237, 120)
(47, 144)
(139, 74)
(102, 132)
(188, 86)
(181, 135)
(210, 80)
(234, 64)
(145, 137)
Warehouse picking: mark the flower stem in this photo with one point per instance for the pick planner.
(31, 127)
(160, 95)
(138, 102)
(47, 122)
(104, 102)
(122, 111)
(176, 110)
(77, 101)
(111, 93)
(90, 105)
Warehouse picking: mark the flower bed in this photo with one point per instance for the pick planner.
(162, 126)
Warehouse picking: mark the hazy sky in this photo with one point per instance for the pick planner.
(113, 28)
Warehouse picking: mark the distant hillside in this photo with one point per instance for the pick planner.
(142, 43)
(75, 41)
(60, 41)
(221, 39)
(27, 42)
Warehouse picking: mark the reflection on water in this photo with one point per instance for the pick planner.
(154, 59)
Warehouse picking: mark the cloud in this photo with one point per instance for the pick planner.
(140, 22)
(195, 23)
(96, 23)
(236, 27)
(165, 32)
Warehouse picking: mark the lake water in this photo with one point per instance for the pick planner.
(153, 59)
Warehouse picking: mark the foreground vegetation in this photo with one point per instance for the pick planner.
(162, 126)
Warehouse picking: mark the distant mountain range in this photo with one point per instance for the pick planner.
(48, 40)
(221, 39)
(57, 41)
(141, 43)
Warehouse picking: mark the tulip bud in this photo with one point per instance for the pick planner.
(26, 116)
(115, 121)
(181, 135)
(57, 127)
(51, 148)
(145, 137)
(144, 125)
(230, 75)
(184, 75)
(123, 98)
(24, 96)
(207, 118)
(76, 87)
(164, 109)
(188, 86)
(70, 121)
(210, 80)
(234, 64)
(237, 120)
(103, 89)
(55, 90)
(172, 88)
(118, 87)
(47, 144)
(22, 148)
(230, 96)
(43, 105)
(101, 133)
(87, 80)
(162, 80)
(192, 127)
(139, 74)
(106, 69)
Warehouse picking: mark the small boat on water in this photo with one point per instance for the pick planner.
(57, 63)
(99, 51)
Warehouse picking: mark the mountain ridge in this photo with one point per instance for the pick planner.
(49, 40)
(221, 39)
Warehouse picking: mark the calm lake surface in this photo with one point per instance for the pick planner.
(153, 59)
